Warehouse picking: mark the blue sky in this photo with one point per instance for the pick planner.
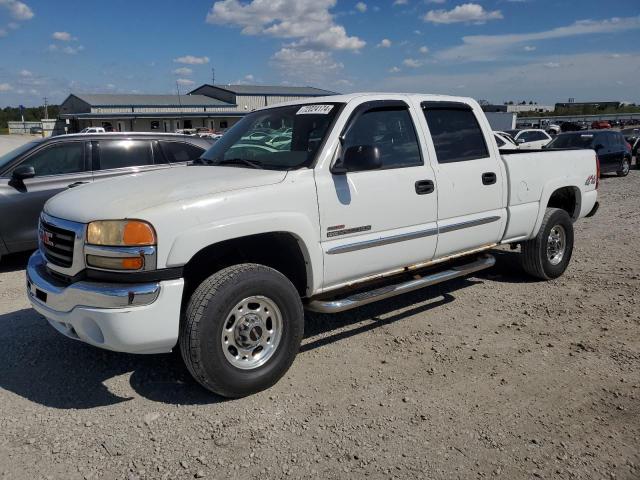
(497, 50)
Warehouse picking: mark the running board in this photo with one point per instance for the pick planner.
(363, 298)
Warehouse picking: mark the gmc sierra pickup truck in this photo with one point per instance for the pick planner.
(326, 205)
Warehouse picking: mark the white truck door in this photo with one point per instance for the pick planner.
(376, 220)
(470, 177)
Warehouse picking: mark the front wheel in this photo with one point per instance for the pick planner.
(625, 166)
(547, 255)
(242, 330)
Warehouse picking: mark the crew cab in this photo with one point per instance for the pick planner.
(375, 195)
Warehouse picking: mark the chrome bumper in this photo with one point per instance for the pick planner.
(46, 290)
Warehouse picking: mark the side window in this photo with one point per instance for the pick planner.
(58, 159)
(456, 135)
(124, 153)
(499, 141)
(392, 131)
(180, 152)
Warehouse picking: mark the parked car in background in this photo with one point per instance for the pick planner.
(36, 171)
(553, 129)
(570, 127)
(532, 139)
(632, 136)
(93, 130)
(611, 147)
(36, 131)
(504, 141)
(600, 125)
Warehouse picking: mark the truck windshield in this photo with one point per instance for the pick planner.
(572, 140)
(281, 138)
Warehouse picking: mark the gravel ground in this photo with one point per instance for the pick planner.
(494, 376)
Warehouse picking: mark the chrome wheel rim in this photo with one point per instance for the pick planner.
(251, 332)
(625, 166)
(556, 244)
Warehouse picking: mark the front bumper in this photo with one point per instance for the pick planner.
(133, 318)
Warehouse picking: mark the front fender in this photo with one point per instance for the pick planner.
(191, 241)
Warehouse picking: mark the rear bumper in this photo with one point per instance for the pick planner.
(135, 318)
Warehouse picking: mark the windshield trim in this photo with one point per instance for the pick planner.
(311, 162)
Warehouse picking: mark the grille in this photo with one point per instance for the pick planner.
(57, 244)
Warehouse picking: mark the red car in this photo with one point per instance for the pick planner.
(600, 124)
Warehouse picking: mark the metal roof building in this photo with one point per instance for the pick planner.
(212, 106)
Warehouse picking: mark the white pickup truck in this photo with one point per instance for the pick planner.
(373, 195)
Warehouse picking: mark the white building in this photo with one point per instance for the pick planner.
(213, 106)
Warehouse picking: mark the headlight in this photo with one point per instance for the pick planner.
(121, 233)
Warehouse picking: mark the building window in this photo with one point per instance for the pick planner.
(155, 125)
(223, 124)
(187, 124)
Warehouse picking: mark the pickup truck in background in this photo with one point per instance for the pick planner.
(375, 195)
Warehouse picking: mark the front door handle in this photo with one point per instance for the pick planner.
(489, 178)
(424, 186)
(75, 184)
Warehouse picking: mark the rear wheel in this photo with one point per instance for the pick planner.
(242, 330)
(624, 168)
(547, 255)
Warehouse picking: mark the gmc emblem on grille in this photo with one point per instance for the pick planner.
(45, 238)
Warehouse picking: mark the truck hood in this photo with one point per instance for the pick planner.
(128, 196)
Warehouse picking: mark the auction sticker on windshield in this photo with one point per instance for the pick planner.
(314, 109)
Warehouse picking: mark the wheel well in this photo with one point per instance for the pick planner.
(565, 198)
(278, 250)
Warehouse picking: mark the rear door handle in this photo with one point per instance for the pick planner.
(424, 186)
(489, 178)
(75, 184)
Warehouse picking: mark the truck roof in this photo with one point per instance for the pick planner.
(346, 98)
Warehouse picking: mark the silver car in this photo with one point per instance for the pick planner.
(37, 170)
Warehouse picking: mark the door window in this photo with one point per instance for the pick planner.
(181, 152)
(124, 153)
(58, 159)
(391, 131)
(456, 134)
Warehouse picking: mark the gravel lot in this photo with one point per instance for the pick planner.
(494, 376)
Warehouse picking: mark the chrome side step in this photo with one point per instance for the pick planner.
(387, 291)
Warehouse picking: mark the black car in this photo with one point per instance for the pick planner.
(611, 147)
(37, 170)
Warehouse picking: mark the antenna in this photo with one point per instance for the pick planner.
(46, 111)
(213, 76)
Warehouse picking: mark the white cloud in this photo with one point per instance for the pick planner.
(394, 70)
(183, 71)
(62, 36)
(110, 86)
(400, 2)
(424, 50)
(467, 12)
(384, 43)
(18, 10)
(435, 1)
(247, 79)
(361, 7)
(529, 48)
(5, 87)
(191, 60)
(185, 82)
(309, 66)
(412, 63)
(69, 50)
(3, 32)
(490, 47)
(551, 65)
(25, 73)
(307, 21)
(575, 78)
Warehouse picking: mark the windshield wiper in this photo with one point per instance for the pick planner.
(240, 161)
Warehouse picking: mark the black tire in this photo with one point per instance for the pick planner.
(625, 166)
(535, 260)
(205, 318)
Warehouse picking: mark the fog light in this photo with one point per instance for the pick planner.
(110, 263)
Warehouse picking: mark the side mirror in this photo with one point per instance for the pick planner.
(23, 172)
(359, 158)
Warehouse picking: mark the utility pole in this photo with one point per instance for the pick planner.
(46, 110)
(180, 103)
(213, 76)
